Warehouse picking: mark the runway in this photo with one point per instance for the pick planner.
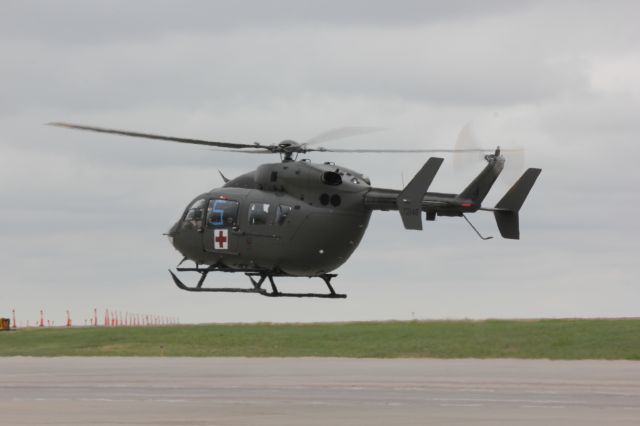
(316, 391)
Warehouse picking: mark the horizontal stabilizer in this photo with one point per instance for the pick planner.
(506, 211)
(410, 199)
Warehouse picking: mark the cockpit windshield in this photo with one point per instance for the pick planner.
(195, 213)
(195, 210)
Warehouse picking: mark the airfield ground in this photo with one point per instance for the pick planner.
(552, 339)
(168, 387)
(317, 391)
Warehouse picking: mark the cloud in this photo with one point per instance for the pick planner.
(78, 23)
(258, 67)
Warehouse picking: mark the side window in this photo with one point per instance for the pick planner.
(259, 213)
(222, 213)
(282, 212)
(195, 213)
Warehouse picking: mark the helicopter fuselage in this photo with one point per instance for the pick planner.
(298, 218)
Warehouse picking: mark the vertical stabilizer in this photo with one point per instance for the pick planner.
(506, 211)
(409, 201)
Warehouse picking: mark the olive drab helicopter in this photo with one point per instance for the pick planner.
(296, 218)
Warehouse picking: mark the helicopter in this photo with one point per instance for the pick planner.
(296, 218)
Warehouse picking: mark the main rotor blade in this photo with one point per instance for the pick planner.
(245, 151)
(340, 133)
(400, 151)
(152, 136)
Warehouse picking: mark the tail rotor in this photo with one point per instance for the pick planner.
(467, 154)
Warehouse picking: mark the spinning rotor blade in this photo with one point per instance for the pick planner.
(467, 142)
(244, 151)
(400, 151)
(290, 147)
(363, 151)
(164, 138)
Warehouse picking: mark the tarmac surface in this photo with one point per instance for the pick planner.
(316, 391)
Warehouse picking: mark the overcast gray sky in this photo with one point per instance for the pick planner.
(82, 215)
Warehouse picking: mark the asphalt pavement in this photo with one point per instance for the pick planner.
(316, 391)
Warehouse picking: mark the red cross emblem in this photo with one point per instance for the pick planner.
(221, 239)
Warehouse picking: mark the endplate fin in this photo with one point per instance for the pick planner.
(409, 201)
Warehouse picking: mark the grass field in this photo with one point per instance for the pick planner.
(554, 339)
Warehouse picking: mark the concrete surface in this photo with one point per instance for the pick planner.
(316, 391)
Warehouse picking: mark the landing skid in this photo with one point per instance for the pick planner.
(257, 278)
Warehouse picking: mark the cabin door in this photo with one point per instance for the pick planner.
(220, 232)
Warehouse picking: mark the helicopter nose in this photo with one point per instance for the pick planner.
(173, 231)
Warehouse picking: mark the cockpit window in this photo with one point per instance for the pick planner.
(222, 213)
(259, 213)
(195, 213)
(195, 210)
(282, 211)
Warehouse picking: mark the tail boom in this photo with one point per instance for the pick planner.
(414, 199)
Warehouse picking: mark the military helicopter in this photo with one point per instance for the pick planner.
(296, 218)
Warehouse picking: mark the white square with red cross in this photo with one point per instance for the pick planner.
(221, 239)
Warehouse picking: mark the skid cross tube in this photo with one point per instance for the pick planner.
(257, 279)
